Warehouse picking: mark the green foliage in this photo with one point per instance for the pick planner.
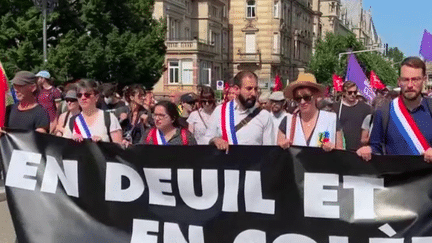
(325, 60)
(108, 40)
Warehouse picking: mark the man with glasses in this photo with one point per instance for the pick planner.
(351, 113)
(27, 114)
(403, 126)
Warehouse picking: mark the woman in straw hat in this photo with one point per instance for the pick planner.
(308, 125)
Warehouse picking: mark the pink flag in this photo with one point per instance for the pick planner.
(278, 84)
(337, 82)
(3, 90)
(375, 81)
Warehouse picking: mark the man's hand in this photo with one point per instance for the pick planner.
(221, 144)
(365, 152)
(428, 156)
(284, 144)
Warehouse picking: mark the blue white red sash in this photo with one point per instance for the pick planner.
(159, 138)
(81, 128)
(228, 123)
(406, 125)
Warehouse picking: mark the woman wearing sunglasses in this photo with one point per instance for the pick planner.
(92, 123)
(309, 126)
(167, 130)
(199, 119)
(73, 109)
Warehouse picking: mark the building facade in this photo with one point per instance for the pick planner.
(197, 44)
(334, 18)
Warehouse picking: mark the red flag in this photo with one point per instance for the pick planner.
(278, 84)
(337, 82)
(3, 90)
(375, 81)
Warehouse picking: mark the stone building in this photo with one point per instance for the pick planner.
(334, 18)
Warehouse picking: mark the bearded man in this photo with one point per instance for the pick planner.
(240, 122)
(403, 126)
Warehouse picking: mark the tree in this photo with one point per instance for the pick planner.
(108, 40)
(325, 60)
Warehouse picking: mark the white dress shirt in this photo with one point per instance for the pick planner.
(259, 131)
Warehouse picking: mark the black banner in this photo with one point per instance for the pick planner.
(62, 191)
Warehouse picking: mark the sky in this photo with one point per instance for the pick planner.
(401, 23)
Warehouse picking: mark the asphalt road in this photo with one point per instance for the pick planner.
(7, 233)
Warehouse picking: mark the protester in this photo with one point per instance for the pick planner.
(188, 102)
(92, 123)
(403, 126)
(240, 121)
(27, 114)
(111, 101)
(278, 113)
(48, 96)
(149, 101)
(309, 126)
(167, 130)
(264, 102)
(136, 116)
(73, 109)
(199, 120)
(351, 113)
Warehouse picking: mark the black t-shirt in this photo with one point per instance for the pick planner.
(351, 120)
(31, 119)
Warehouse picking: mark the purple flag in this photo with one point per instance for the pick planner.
(426, 46)
(356, 75)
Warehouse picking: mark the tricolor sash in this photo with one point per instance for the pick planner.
(228, 123)
(159, 138)
(81, 128)
(407, 127)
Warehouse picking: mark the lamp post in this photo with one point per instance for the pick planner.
(45, 5)
(351, 52)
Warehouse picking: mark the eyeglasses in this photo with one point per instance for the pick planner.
(86, 94)
(209, 102)
(306, 98)
(351, 92)
(160, 116)
(70, 100)
(413, 79)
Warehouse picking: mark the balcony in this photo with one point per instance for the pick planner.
(189, 46)
(253, 58)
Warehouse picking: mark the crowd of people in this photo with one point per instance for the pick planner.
(303, 114)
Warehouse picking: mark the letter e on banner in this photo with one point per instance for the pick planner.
(157, 187)
(113, 187)
(53, 173)
(209, 182)
(315, 195)
(140, 230)
(19, 169)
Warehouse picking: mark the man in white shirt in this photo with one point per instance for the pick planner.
(256, 124)
(278, 103)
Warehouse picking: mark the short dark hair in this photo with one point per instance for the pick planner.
(414, 62)
(88, 84)
(243, 74)
(171, 110)
(206, 93)
(347, 85)
(132, 90)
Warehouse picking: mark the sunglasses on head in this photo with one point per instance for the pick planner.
(70, 100)
(86, 94)
(306, 98)
(352, 92)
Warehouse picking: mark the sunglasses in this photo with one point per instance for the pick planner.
(210, 102)
(86, 94)
(352, 92)
(70, 100)
(306, 98)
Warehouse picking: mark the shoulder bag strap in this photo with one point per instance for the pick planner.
(107, 119)
(66, 118)
(293, 127)
(199, 113)
(247, 119)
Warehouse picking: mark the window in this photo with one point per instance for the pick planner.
(205, 73)
(276, 10)
(173, 72)
(187, 34)
(276, 43)
(187, 72)
(214, 12)
(174, 29)
(250, 43)
(250, 9)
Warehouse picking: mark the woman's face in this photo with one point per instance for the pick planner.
(138, 97)
(305, 99)
(87, 98)
(161, 117)
(72, 104)
(208, 104)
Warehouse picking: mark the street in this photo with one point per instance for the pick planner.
(7, 233)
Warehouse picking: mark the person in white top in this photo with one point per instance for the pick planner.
(239, 122)
(199, 119)
(90, 123)
(278, 103)
(308, 125)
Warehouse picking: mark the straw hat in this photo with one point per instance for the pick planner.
(304, 80)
